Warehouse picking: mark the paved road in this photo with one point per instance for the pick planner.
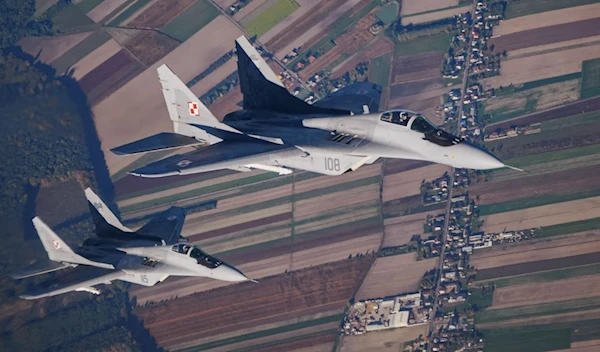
(449, 205)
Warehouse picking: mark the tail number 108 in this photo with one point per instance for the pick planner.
(332, 164)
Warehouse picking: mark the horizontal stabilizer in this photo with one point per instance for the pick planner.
(38, 268)
(158, 142)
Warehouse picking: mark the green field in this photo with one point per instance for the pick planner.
(548, 157)
(438, 42)
(546, 276)
(263, 333)
(480, 297)
(528, 7)
(123, 16)
(191, 21)
(537, 338)
(536, 201)
(81, 50)
(379, 70)
(69, 18)
(590, 83)
(42, 5)
(535, 84)
(580, 119)
(271, 17)
(528, 339)
(88, 5)
(574, 305)
(569, 227)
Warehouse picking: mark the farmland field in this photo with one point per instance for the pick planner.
(411, 7)
(95, 58)
(386, 340)
(160, 13)
(385, 279)
(70, 18)
(539, 250)
(548, 35)
(545, 215)
(590, 82)
(151, 46)
(293, 295)
(544, 65)
(569, 110)
(438, 42)
(524, 8)
(379, 69)
(434, 15)
(130, 11)
(52, 48)
(191, 21)
(268, 19)
(81, 50)
(85, 5)
(545, 292)
(558, 274)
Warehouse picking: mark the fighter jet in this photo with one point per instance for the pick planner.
(146, 256)
(278, 132)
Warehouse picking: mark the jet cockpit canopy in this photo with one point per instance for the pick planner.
(417, 122)
(196, 253)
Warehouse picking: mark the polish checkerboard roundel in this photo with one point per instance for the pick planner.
(56, 244)
(193, 108)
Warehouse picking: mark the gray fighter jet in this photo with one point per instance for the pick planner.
(146, 256)
(278, 132)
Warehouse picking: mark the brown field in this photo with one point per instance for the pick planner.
(104, 9)
(536, 67)
(253, 5)
(318, 343)
(95, 58)
(542, 265)
(545, 215)
(393, 166)
(557, 113)
(377, 48)
(386, 340)
(416, 87)
(399, 234)
(411, 68)
(565, 45)
(160, 13)
(385, 279)
(408, 183)
(276, 340)
(566, 181)
(214, 78)
(51, 48)
(548, 35)
(430, 97)
(227, 103)
(546, 97)
(545, 292)
(547, 19)
(305, 23)
(151, 46)
(410, 7)
(549, 319)
(350, 42)
(224, 4)
(277, 298)
(109, 76)
(138, 107)
(434, 16)
(542, 250)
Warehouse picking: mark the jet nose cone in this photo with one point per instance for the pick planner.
(226, 272)
(475, 158)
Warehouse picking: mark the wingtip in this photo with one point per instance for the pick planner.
(253, 280)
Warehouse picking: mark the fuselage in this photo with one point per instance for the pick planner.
(365, 135)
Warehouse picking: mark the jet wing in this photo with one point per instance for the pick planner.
(79, 278)
(353, 98)
(232, 154)
(158, 142)
(166, 225)
(38, 268)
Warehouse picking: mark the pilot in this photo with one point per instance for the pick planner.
(404, 118)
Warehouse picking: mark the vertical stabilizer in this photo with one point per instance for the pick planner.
(57, 249)
(185, 108)
(263, 90)
(102, 216)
